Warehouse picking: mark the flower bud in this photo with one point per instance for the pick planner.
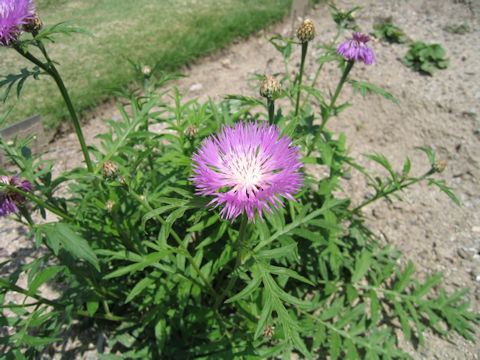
(439, 166)
(191, 131)
(9, 199)
(306, 31)
(34, 24)
(147, 71)
(109, 169)
(268, 331)
(109, 205)
(269, 87)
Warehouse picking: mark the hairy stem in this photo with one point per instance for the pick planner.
(238, 262)
(300, 76)
(271, 111)
(50, 69)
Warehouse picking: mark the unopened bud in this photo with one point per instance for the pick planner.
(306, 31)
(109, 205)
(270, 87)
(191, 131)
(109, 169)
(439, 165)
(269, 331)
(33, 25)
(146, 71)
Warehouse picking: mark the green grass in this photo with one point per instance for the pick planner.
(168, 32)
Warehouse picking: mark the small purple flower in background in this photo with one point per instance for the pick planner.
(356, 49)
(14, 14)
(248, 167)
(9, 199)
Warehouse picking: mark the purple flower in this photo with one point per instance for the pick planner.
(356, 49)
(9, 199)
(13, 14)
(246, 168)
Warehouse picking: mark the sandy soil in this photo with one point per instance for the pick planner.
(439, 112)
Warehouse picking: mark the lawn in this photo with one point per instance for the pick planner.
(168, 32)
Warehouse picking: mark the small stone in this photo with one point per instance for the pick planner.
(465, 254)
(226, 63)
(196, 87)
(470, 112)
(476, 229)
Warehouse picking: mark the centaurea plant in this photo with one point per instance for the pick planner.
(212, 238)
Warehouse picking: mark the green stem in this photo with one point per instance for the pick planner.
(300, 76)
(349, 67)
(242, 233)
(271, 111)
(326, 115)
(50, 69)
(383, 194)
(320, 67)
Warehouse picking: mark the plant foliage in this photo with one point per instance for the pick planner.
(425, 58)
(136, 255)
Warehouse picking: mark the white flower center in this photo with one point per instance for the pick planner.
(245, 170)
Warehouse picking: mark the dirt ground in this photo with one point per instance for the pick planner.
(441, 112)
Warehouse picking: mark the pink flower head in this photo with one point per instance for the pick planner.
(356, 49)
(13, 14)
(246, 168)
(9, 199)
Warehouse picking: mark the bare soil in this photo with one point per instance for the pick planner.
(440, 112)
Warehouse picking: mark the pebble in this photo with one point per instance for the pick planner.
(196, 87)
(466, 253)
(470, 112)
(227, 64)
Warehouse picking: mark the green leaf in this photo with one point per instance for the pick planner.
(246, 291)
(446, 189)
(398, 310)
(335, 345)
(92, 306)
(74, 244)
(38, 341)
(283, 251)
(375, 309)
(281, 271)
(65, 28)
(352, 293)
(299, 220)
(430, 154)
(406, 167)
(138, 288)
(44, 276)
(145, 261)
(20, 79)
(363, 87)
(265, 315)
(362, 264)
